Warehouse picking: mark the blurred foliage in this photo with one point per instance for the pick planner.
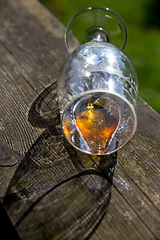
(143, 48)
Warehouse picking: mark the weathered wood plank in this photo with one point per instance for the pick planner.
(49, 190)
(136, 179)
(30, 60)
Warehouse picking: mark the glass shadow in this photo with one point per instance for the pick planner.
(57, 192)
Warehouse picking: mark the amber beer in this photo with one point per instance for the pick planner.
(92, 122)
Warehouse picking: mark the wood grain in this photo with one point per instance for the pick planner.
(49, 190)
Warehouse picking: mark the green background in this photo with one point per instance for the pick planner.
(142, 18)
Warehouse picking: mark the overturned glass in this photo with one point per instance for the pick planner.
(97, 85)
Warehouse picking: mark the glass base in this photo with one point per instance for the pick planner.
(96, 24)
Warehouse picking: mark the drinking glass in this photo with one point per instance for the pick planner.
(97, 86)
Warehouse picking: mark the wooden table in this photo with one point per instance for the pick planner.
(47, 190)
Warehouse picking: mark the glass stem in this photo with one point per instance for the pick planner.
(97, 34)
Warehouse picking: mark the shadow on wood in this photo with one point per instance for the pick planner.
(58, 192)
